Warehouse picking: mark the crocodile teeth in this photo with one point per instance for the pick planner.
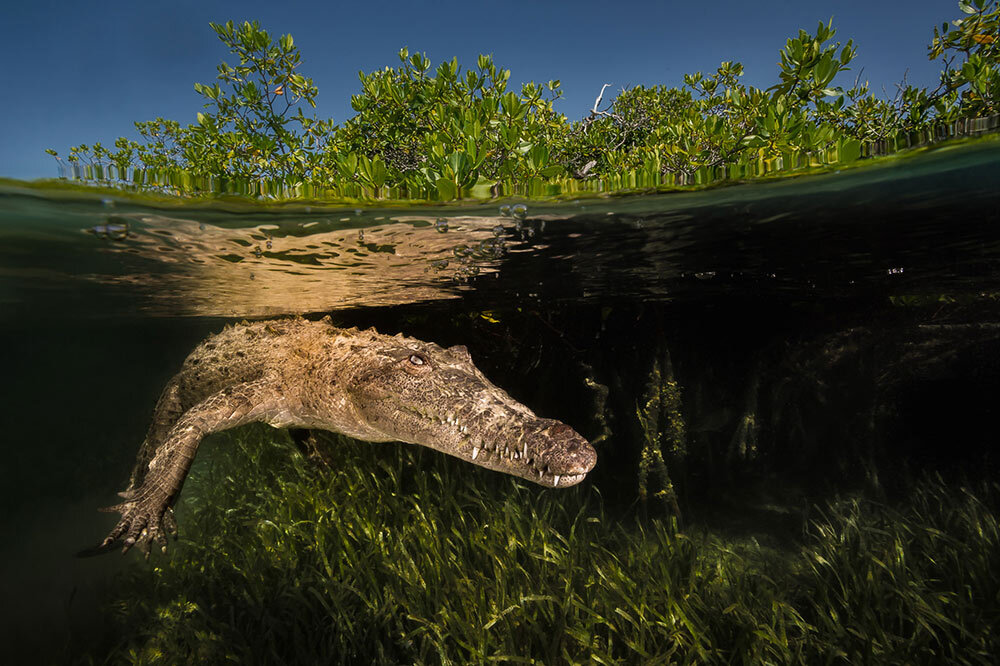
(525, 452)
(556, 481)
(475, 452)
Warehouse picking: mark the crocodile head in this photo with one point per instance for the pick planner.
(424, 394)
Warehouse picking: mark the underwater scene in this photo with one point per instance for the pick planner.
(743, 424)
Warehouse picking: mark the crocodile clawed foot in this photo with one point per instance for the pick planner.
(145, 519)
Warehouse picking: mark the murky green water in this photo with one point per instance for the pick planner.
(101, 299)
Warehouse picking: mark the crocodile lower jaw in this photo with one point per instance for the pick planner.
(486, 457)
(562, 480)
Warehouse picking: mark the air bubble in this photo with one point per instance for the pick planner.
(114, 228)
(519, 211)
(441, 225)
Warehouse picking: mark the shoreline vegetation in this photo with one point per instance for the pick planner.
(445, 133)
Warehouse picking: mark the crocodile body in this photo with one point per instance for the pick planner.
(311, 374)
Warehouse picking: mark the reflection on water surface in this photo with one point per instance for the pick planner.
(304, 265)
(910, 226)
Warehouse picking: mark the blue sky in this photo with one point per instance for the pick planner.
(77, 72)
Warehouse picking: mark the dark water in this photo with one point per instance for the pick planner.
(101, 299)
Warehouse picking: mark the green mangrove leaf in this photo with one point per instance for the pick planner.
(446, 189)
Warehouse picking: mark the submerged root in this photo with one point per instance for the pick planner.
(662, 424)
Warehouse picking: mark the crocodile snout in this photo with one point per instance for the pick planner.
(572, 454)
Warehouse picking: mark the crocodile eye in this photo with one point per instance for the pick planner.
(417, 359)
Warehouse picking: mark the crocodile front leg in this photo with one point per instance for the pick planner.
(145, 514)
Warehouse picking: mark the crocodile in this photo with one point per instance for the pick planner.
(298, 373)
